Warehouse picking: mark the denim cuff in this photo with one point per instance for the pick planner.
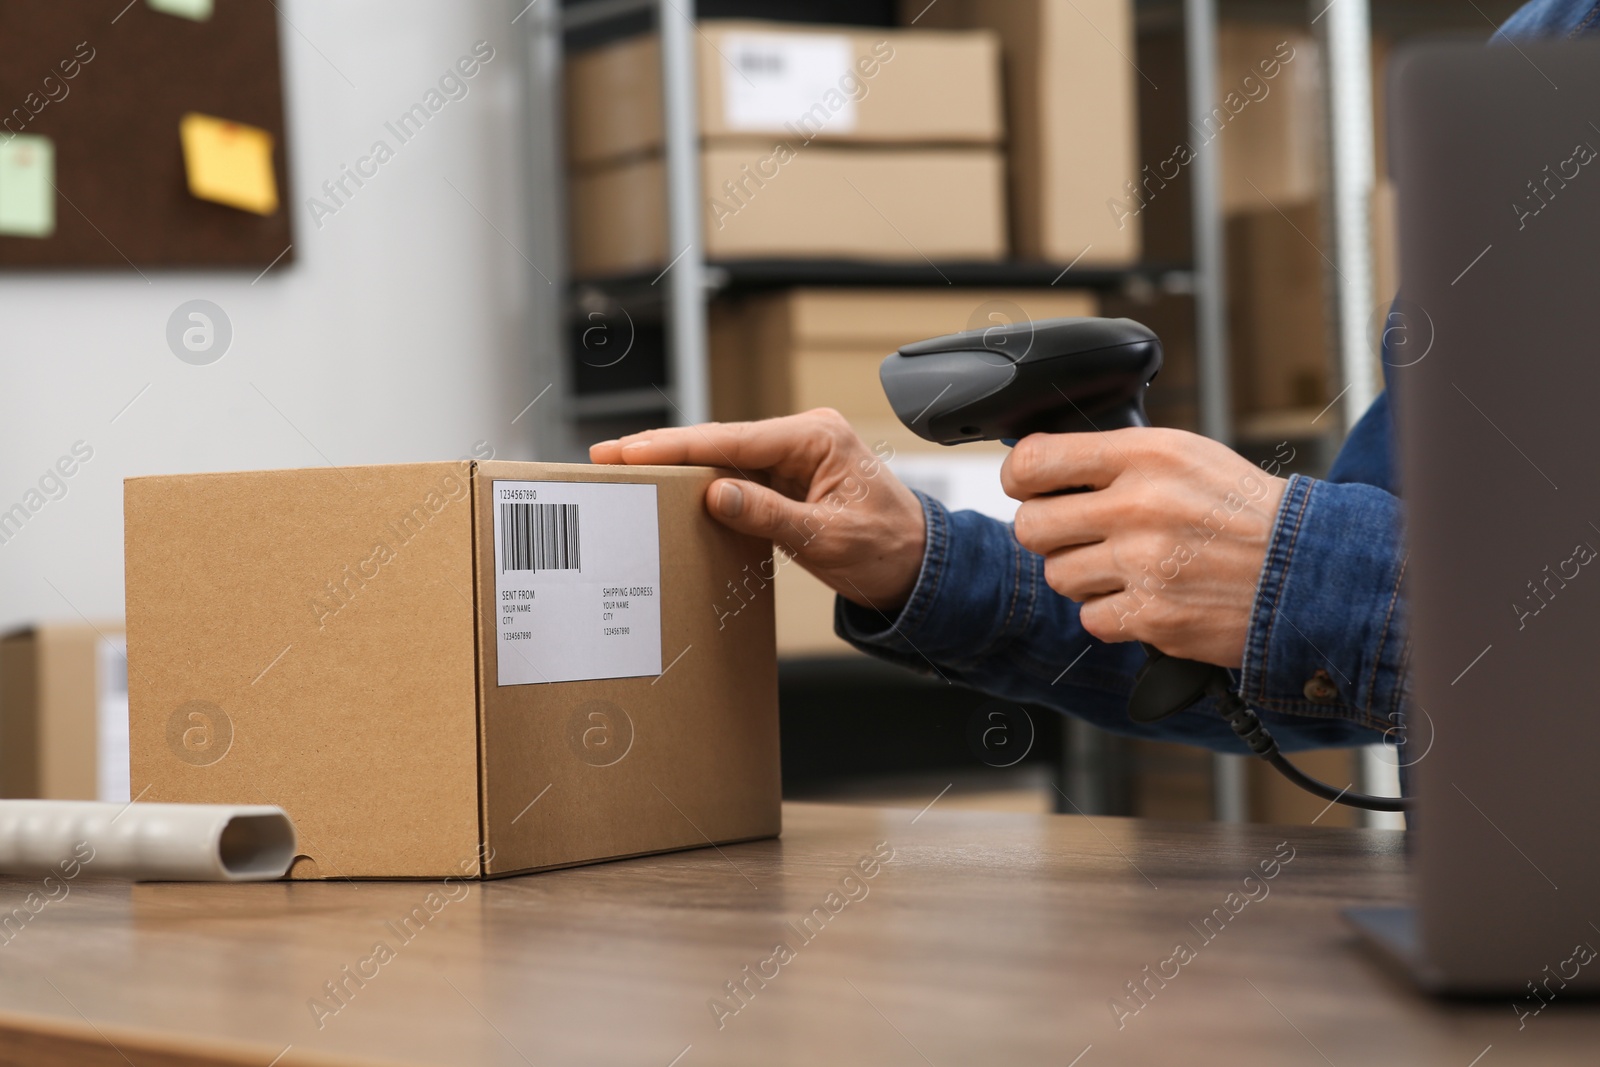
(1327, 635)
(887, 635)
(958, 613)
(981, 614)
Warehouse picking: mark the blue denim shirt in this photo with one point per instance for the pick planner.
(1326, 652)
(1553, 18)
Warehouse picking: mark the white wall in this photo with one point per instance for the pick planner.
(396, 335)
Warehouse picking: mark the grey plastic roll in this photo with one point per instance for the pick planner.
(146, 842)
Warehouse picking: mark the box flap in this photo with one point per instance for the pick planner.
(305, 638)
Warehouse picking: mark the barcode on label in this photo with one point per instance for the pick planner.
(539, 537)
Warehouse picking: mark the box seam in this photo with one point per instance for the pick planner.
(481, 757)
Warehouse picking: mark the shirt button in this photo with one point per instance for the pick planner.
(1319, 689)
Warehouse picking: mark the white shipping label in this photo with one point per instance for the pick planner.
(577, 581)
(962, 483)
(771, 80)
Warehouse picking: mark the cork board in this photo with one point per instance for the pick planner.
(121, 196)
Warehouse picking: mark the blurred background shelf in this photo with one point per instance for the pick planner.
(724, 275)
(441, 311)
(1266, 262)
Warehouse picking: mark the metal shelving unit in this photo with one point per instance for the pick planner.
(680, 292)
(741, 274)
(556, 436)
(683, 288)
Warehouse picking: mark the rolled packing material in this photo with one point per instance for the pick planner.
(146, 842)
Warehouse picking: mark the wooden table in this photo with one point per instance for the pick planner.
(987, 938)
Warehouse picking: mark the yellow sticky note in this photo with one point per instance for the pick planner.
(198, 10)
(229, 163)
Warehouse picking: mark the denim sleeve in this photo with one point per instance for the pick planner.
(1551, 18)
(981, 615)
(1328, 630)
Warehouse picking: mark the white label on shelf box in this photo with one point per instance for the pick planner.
(577, 581)
(771, 81)
(960, 483)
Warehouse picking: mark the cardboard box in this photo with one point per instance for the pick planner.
(1275, 799)
(453, 669)
(1384, 212)
(64, 712)
(1169, 781)
(1266, 119)
(1071, 118)
(805, 616)
(1173, 781)
(767, 199)
(1165, 200)
(1382, 53)
(1269, 128)
(797, 349)
(1173, 399)
(1385, 220)
(801, 83)
(1277, 309)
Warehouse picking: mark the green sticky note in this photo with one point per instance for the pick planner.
(27, 186)
(199, 10)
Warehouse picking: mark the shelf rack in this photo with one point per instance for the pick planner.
(682, 290)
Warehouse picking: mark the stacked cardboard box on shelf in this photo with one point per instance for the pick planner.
(1264, 120)
(1384, 214)
(1073, 121)
(1271, 193)
(1173, 398)
(1275, 799)
(1277, 310)
(64, 712)
(1385, 260)
(816, 142)
(907, 87)
(789, 351)
(1267, 116)
(1168, 780)
(1173, 781)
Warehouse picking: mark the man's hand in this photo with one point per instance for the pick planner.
(1167, 545)
(832, 503)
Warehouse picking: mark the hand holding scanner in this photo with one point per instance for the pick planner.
(1071, 375)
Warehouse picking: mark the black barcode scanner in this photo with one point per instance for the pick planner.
(1075, 375)
(1005, 382)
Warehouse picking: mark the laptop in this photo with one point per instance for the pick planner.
(1496, 151)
